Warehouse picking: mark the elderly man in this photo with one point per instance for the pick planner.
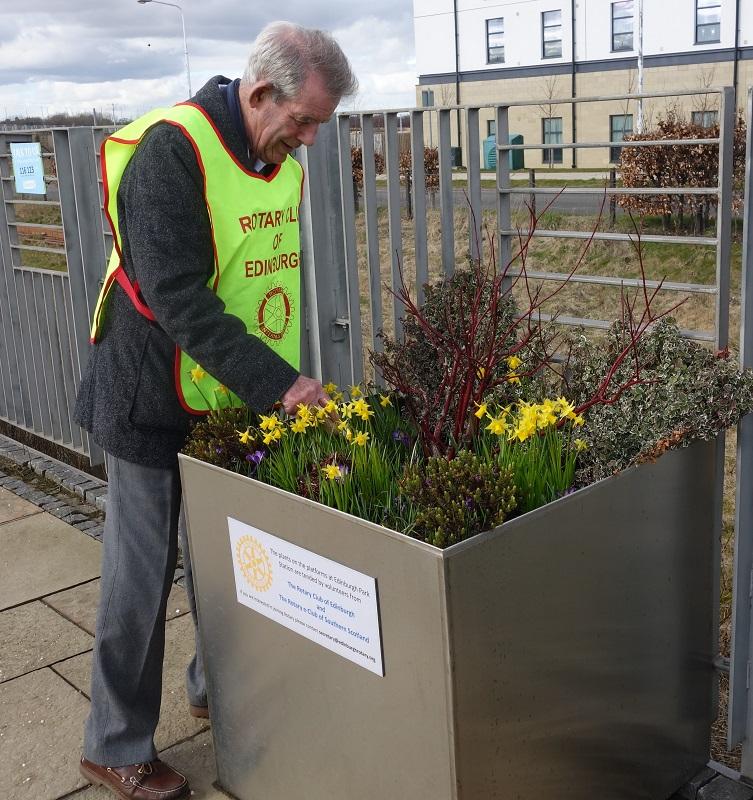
(203, 201)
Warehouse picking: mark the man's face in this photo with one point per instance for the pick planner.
(278, 128)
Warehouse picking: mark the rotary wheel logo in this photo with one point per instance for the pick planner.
(275, 313)
(254, 563)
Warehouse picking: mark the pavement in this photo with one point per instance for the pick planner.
(51, 523)
(50, 551)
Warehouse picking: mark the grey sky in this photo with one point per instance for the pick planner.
(58, 55)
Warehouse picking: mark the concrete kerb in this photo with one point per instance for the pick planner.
(85, 516)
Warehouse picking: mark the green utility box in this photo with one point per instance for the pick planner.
(516, 157)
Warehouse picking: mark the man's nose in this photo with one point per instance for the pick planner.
(307, 133)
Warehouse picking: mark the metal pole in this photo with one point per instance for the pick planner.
(640, 66)
(740, 714)
(183, 28)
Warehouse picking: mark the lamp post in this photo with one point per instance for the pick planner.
(183, 25)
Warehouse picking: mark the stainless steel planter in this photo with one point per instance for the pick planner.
(566, 654)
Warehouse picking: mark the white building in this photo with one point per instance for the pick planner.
(491, 51)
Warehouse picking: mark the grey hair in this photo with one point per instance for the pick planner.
(285, 54)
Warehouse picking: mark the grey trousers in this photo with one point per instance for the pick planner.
(142, 525)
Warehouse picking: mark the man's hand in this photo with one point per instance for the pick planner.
(305, 390)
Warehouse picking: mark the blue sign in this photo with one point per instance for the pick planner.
(28, 169)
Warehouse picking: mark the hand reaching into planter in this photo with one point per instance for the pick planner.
(305, 390)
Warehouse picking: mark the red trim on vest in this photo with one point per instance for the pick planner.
(134, 294)
(200, 162)
(181, 399)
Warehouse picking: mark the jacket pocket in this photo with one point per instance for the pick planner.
(155, 403)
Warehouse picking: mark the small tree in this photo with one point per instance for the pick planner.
(431, 174)
(356, 162)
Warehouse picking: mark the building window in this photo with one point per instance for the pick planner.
(427, 98)
(552, 134)
(708, 18)
(551, 34)
(704, 119)
(622, 26)
(620, 126)
(495, 41)
(491, 127)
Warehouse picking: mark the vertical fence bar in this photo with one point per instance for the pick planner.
(504, 215)
(351, 256)
(392, 167)
(41, 356)
(80, 210)
(740, 713)
(64, 312)
(446, 207)
(324, 273)
(17, 388)
(724, 213)
(475, 220)
(372, 231)
(59, 401)
(419, 202)
(723, 269)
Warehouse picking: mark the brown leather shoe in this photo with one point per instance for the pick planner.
(152, 781)
(202, 712)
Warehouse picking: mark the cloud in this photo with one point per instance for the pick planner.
(122, 52)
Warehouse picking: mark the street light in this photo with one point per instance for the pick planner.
(183, 24)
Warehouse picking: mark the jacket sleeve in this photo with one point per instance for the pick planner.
(167, 245)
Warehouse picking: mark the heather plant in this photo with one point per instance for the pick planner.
(459, 497)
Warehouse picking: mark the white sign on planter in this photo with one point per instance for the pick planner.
(329, 603)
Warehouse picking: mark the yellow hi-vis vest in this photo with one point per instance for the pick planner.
(256, 241)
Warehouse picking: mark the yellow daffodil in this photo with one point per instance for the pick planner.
(299, 425)
(546, 414)
(197, 373)
(338, 397)
(273, 436)
(480, 372)
(346, 410)
(512, 377)
(333, 471)
(513, 362)
(269, 423)
(330, 388)
(303, 411)
(498, 425)
(480, 410)
(362, 408)
(355, 392)
(348, 434)
(361, 438)
(578, 420)
(330, 407)
(384, 400)
(566, 408)
(244, 436)
(342, 425)
(580, 444)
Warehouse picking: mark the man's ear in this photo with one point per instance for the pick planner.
(258, 92)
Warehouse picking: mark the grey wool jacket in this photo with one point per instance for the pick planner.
(127, 398)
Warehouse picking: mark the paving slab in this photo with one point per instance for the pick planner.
(79, 604)
(722, 788)
(40, 555)
(194, 758)
(14, 507)
(33, 636)
(175, 722)
(41, 724)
